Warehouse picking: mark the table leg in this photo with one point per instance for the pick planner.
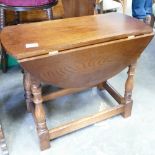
(27, 88)
(128, 91)
(39, 115)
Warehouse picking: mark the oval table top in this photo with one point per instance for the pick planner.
(29, 40)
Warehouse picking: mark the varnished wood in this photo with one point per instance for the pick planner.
(17, 10)
(3, 146)
(75, 54)
(40, 115)
(63, 92)
(128, 90)
(27, 88)
(76, 8)
(86, 62)
(113, 93)
(81, 123)
(77, 32)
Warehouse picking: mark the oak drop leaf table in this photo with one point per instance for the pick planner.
(75, 54)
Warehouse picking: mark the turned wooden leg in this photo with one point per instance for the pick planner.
(28, 93)
(49, 13)
(128, 91)
(39, 114)
(2, 143)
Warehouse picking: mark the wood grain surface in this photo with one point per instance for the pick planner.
(69, 33)
(76, 8)
(87, 66)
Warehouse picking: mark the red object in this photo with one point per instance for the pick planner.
(26, 2)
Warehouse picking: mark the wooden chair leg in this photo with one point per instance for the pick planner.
(3, 143)
(39, 115)
(49, 13)
(128, 91)
(28, 93)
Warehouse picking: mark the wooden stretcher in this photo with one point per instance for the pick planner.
(75, 54)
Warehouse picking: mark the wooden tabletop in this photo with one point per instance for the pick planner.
(29, 40)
